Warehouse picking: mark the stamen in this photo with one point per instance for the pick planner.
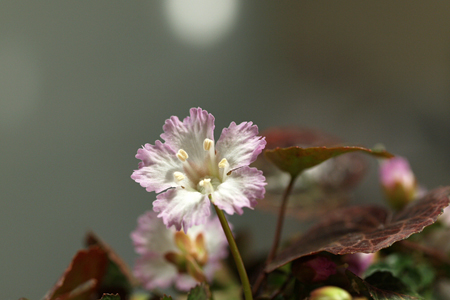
(178, 176)
(225, 165)
(207, 144)
(183, 242)
(200, 254)
(182, 155)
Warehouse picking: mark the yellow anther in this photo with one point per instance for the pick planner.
(224, 163)
(225, 166)
(208, 144)
(178, 176)
(182, 155)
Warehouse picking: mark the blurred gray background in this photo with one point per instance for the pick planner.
(84, 84)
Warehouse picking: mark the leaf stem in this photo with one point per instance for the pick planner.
(236, 255)
(278, 230)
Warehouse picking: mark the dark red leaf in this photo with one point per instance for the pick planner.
(312, 195)
(297, 136)
(81, 278)
(295, 160)
(92, 239)
(365, 229)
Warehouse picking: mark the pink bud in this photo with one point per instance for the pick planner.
(359, 262)
(398, 181)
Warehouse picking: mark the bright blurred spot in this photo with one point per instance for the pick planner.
(19, 83)
(201, 23)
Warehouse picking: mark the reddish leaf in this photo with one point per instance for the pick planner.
(296, 136)
(84, 291)
(295, 160)
(365, 229)
(305, 204)
(118, 278)
(81, 278)
(92, 239)
(314, 193)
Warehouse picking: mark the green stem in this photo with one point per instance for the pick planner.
(236, 255)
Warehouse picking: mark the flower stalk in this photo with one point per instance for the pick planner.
(236, 255)
(280, 221)
(278, 230)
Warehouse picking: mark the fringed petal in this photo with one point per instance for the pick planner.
(240, 144)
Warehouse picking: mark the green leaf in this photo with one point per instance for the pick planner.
(382, 286)
(165, 297)
(295, 160)
(110, 297)
(200, 292)
(416, 274)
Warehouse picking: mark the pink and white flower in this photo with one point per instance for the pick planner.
(169, 256)
(189, 169)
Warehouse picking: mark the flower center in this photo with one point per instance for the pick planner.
(206, 177)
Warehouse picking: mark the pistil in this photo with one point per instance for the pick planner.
(207, 186)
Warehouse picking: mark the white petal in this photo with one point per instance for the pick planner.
(152, 235)
(241, 189)
(215, 240)
(182, 208)
(190, 134)
(159, 162)
(240, 144)
(153, 271)
(184, 282)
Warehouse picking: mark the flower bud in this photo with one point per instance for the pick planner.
(398, 182)
(445, 217)
(330, 293)
(359, 262)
